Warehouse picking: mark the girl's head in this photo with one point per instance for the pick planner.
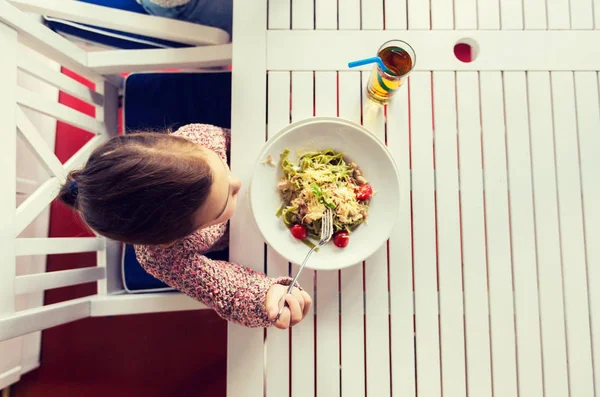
(151, 189)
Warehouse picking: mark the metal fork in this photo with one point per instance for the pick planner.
(326, 233)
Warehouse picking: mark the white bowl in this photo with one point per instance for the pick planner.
(358, 145)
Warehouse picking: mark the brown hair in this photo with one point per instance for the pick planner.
(142, 188)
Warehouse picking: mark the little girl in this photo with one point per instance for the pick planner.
(171, 195)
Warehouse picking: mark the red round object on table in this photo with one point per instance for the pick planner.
(341, 239)
(299, 232)
(364, 192)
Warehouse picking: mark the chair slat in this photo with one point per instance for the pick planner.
(38, 146)
(423, 236)
(49, 246)
(572, 235)
(36, 203)
(475, 278)
(120, 20)
(35, 68)
(39, 318)
(58, 111)
(8, 167)
(43, 281)
(452, 333)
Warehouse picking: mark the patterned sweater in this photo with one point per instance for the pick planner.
(235, 292)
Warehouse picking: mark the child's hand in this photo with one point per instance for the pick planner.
(298, 305)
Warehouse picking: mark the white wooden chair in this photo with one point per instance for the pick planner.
(24, 43)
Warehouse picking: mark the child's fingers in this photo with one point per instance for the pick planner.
(284, 319)
(307, 303)
(296, 311)
(298, 295)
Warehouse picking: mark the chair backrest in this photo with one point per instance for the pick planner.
(24, 41)
(17, 32)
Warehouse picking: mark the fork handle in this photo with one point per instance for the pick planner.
(291, 287)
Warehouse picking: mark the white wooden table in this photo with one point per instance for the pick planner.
(490, 284)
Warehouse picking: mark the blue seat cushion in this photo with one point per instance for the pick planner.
(110, 37)
(153, 101)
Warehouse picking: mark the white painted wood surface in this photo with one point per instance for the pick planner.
(146, 25)
(492, 277)
(32, 56)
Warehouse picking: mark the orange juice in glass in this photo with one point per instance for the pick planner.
(399, 59)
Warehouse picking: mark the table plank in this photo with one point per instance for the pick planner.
(424, 229)
(372, 14)
(488, 14)
(351, 279)
(511, 14)
(279, 14)
(349, 14)
(588, 122)
(278, 349)
(582, 16)
(377, 339)
(303, 346)
(400, 252)
(303, 14)
(418, 15)
(558, 14)
(571, 235)
(245, 347)
(326, 14)
(452, 333)
(442, 14)
(395, 14)
(500, 267)
(552, 317)
(327, 288)
(473, 236)
(534, 13)
(465, 14)
(523, 235)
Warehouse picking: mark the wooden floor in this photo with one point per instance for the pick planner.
(166, 354)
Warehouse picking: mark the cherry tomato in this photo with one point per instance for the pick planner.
(299, 232)
(341, 239)
(364, 192)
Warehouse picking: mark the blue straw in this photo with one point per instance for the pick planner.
(368, 61)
